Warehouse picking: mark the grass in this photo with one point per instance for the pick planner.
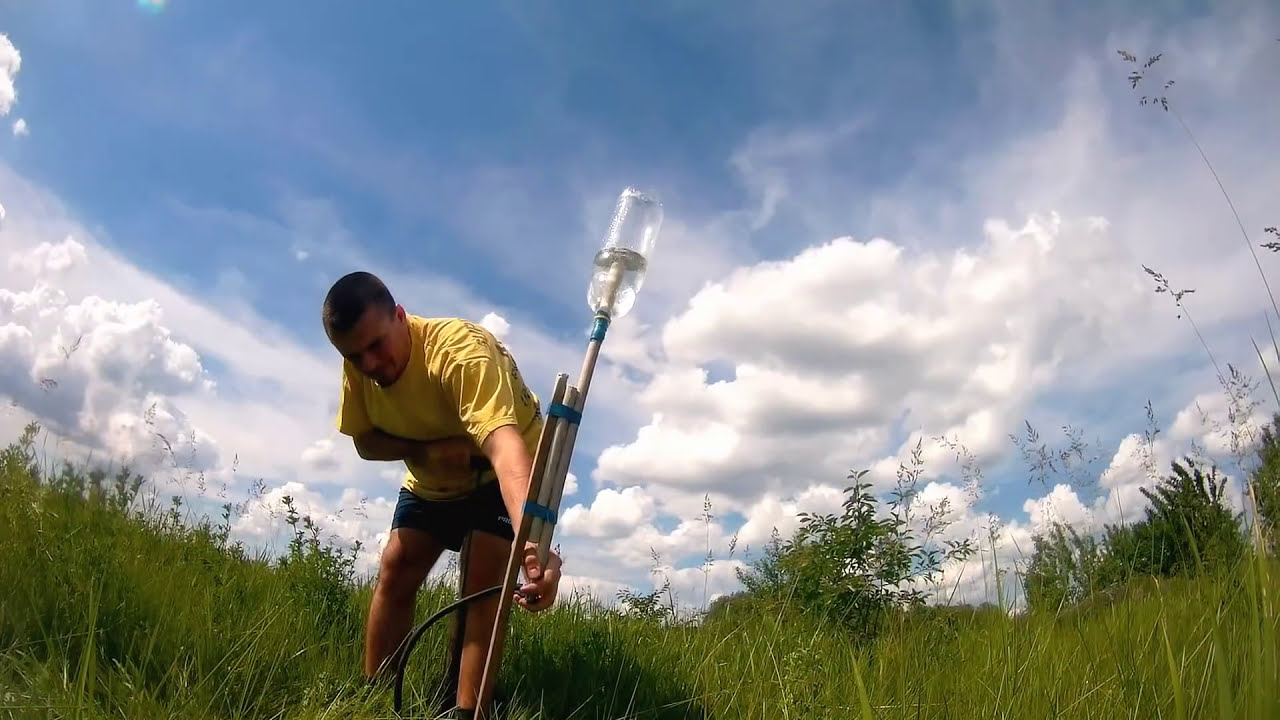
(111, 606)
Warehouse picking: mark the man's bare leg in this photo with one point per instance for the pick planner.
(408, 557)
(487, 563)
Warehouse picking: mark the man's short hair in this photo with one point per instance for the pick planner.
(351, 296)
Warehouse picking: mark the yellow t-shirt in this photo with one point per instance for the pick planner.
(460, 381)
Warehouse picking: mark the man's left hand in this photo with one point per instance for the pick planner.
(539, 592)
(450, 454)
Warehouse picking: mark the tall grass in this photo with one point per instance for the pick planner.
(110, 608)
(1230, 382)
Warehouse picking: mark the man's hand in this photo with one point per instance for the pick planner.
(378, 445)
(451, 454)
(539, 592)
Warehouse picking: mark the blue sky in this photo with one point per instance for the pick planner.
(248, 154)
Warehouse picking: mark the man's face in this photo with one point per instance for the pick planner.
(378, 345)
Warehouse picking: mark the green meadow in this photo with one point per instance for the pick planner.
(113, 605)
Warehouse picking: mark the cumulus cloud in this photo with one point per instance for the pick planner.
(20, 128)
(321, 455)
(778, 513)
(593, 588)
(612, 513)
(110, 335)
(829, 348)
(10, 64)
(98, 371)
(495, 324)
(47, 257)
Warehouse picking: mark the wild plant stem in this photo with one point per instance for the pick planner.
(1266, 371)
(1245, 233)
(1221, 378)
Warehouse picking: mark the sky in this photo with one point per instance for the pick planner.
(884, 225)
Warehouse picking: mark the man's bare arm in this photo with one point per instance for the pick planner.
(514, 466)
(379, 445)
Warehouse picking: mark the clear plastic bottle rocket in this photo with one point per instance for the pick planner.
(618, 272)
(621, 265)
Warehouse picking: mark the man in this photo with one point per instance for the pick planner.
(443, 396)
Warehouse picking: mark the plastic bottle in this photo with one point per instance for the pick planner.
(621, 264)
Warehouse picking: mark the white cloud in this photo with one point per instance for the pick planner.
(495, 324)
(253, 349)
(592, 588)
(115, 363)
(321, 455)
(773, 512)
(1060, 506)
(831, 346)
(10, 65)
(693, 589)
(611, 514)
(49, 258)
(20, 128)
(101, 372)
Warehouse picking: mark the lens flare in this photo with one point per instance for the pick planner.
(152, 6)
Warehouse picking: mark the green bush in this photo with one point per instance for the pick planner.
(1187, 530)
(854, 566)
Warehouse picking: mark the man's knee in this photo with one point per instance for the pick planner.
(405, 563)
(487, 561)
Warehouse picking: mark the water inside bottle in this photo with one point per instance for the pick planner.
(637, 216)
(633, 266)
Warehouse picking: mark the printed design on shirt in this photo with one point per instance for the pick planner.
(517, 379)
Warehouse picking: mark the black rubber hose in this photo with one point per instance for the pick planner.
(421, 629)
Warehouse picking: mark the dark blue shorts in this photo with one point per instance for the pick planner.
(449, 521)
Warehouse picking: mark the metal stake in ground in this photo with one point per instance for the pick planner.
(458, 629)
(619, 271)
